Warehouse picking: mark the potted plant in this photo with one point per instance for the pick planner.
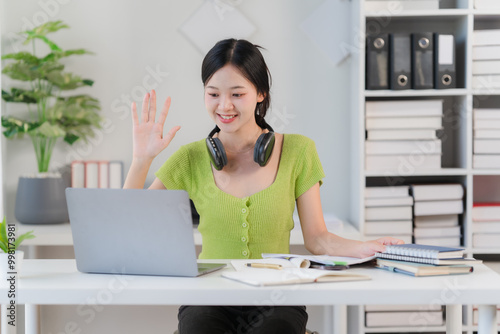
(11, 258)
(51, 114)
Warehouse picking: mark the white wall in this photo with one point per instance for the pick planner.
(131, 38)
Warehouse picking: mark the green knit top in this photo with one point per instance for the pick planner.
(241, 228)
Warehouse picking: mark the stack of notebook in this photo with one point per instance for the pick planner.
(486, 59)
(401, 135)
(388, 211)
(486, 140)
(424, 260)
(436, 213)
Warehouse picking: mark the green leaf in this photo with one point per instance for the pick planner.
(14, 126)
(22, 237)
(65, 81)
(88, 82)
(53, 46)
(18, 95)
(71, 138)
(50, 27)
(22, 71)
(48, 130)
(23, 56)
(3, 231)
(41, 31)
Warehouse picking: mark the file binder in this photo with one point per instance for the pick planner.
(377, 61)
(444, 61)
(400, 61)
(422, 60)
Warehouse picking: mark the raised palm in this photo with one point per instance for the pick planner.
(148, 138)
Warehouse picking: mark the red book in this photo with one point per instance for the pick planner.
(482, 212)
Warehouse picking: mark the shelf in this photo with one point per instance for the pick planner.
(419, 13)
(486, 91)
(440, 172)
(485, 250)
(485, 13)
(486, 171)
(406, 329)
(416, 92)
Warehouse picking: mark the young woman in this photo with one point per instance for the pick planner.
(245, 181)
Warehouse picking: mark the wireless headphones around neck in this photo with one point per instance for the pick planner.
(261, 152)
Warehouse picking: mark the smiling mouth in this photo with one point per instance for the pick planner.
(227, 116)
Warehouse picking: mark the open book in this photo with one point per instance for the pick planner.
(290, 272)
(323, 259)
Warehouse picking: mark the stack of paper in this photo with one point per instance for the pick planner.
(401, 135)
(396, 6)
(486, 225)
(436, 211)
(388, 211)
(486, 138)
(486, 4)
(486, 59)
(403, 315)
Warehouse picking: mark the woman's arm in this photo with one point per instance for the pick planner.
(148, 141)
(318, 240)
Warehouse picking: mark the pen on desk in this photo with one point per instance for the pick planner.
(265, 265)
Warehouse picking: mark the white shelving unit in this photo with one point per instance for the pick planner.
(459, 18)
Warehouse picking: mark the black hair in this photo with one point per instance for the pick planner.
(246, 57)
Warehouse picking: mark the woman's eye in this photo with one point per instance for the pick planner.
(237, 95)
(213, 94)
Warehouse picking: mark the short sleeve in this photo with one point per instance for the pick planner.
(175, 173)
(308, 170)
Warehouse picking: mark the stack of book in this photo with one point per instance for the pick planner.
(388, 211)
(395, 6)
(97, 174)
(403, 315)
(401, 135)
(475, 315)
(486, 225)
(486, 138)
(436, 213)
(424, 260)
(486, 59)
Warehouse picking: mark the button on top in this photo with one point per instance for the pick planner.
(243, 239)
(243, 210)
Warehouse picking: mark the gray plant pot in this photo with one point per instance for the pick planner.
(41, 200)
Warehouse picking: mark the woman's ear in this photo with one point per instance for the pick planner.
(260, 97)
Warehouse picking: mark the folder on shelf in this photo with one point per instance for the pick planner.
(422, 45)
(444, 61)
(91, 174)
(78, 174)
(400, 61)
(377, 61)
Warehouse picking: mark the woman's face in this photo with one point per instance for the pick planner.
(231, 99)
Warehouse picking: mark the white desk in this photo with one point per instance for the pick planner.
(58, 282)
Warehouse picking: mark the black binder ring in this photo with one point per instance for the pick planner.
(379, 43)
(402, 80)
(446, 79)
(424, 43)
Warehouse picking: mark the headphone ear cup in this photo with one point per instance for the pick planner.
(216, 152)
(263, 148)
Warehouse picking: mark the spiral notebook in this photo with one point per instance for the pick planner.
(409, 252)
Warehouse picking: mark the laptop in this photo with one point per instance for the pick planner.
(134, 231)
